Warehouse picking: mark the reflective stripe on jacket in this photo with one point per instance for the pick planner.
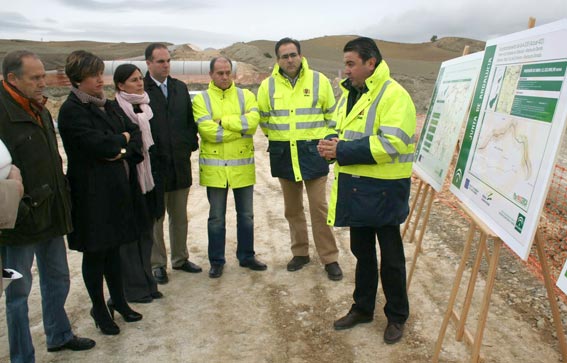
(295, 118)
(374, 155)
(227, 150)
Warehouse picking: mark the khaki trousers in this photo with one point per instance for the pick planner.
(176, 207)
(323, 236)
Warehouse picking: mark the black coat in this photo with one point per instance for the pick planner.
(174, 132)
(102, 191)
(45, 210)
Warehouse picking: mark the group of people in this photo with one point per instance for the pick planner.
(129, 164)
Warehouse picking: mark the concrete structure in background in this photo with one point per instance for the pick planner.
(178, 68)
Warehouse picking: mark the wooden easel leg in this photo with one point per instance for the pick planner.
(412, 269)
(419, 211)
(454, 292)
(490, 278)
(418, 248)
(412, 208)
(539, 241)
(471, 286)
(425, 219)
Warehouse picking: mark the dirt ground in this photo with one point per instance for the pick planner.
(281, 316)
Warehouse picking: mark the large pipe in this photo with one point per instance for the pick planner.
(177, 67)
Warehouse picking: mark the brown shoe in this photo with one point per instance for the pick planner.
(352, 319)
(393, 332)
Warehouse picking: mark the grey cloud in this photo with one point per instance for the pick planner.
(144, 33)
(477, 21)
(124, 5)
(10, 22)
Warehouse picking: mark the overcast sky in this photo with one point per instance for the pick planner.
(219, 23)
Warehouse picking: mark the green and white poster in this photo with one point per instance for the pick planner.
(513, 132)
(447, 111)
(562, 279)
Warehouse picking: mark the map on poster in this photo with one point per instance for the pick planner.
(562, 279)
(447, 111)
(514, 129)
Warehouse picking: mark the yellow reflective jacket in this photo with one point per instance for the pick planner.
(374, 155)
(295, 118)
(227, 150)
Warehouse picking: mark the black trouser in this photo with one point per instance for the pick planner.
(392, 271)
(99, 264)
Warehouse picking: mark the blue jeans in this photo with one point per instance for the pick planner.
(243, 200)
(54, 284)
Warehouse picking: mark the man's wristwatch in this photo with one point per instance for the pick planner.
(122, 152)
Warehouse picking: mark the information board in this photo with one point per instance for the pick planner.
(513, 132)
(447, 111)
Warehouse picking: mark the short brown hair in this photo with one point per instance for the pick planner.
(81, 64)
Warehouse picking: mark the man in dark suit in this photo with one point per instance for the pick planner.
(175, 136)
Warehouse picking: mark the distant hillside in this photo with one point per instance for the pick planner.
(53, 54)
(415, 66)
(325, 53)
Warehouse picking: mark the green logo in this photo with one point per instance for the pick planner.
(520, 222)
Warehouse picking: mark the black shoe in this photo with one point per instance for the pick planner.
(143, 300)
(297, 263)
(216, 271)
(352, 319)
(254, 264)
(103, 321)
(156, 295)
(189, 266)
(393, 333)
(127, 313)
(75, 344)
(334, 271)
(160, 275)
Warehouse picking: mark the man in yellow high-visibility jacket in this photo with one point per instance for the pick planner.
(227, 118)
(296, 107)
(374, 154)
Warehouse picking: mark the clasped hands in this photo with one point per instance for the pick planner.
(328, 148)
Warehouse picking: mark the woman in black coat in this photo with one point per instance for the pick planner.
(139, 283)
(103, 146)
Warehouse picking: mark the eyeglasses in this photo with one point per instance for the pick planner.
(288, 56)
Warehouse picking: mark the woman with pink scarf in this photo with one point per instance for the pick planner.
(139, 283)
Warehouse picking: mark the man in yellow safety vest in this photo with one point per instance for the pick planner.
(374, 154)
(296, 108)
(227, 118)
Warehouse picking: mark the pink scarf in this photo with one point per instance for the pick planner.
(126, 102)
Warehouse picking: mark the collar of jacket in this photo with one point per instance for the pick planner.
(213, 88)
(31, 106)
(381, 74)
(304, 68)
(107, 113)
(150, 83)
